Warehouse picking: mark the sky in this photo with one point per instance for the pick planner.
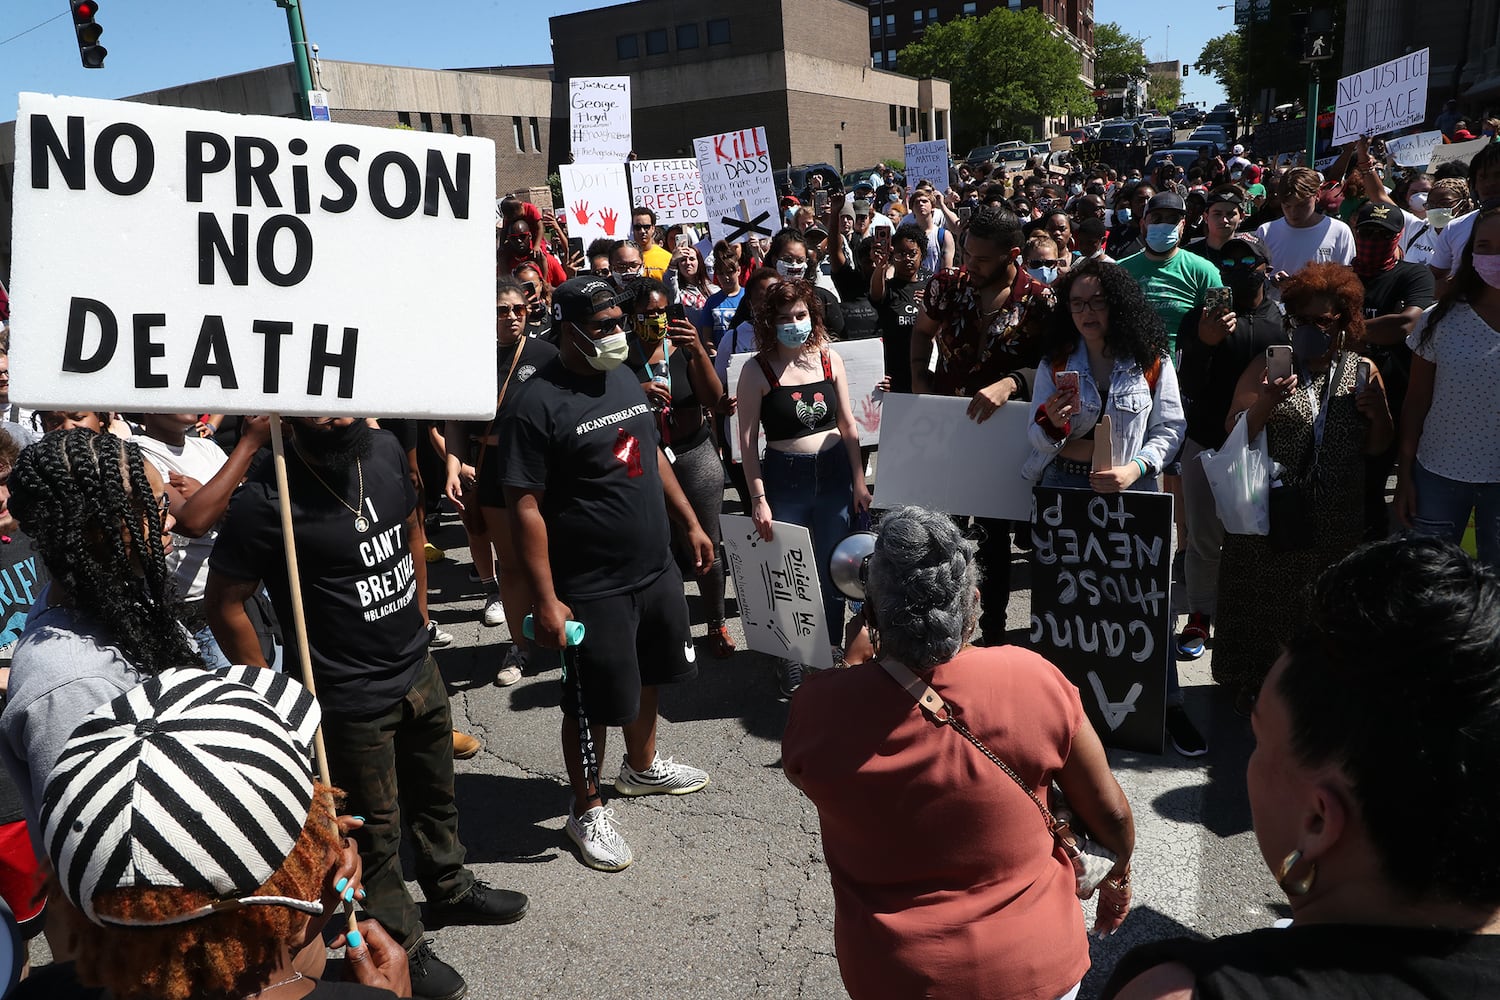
(160, 43)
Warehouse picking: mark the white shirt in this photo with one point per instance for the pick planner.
(1448, 249)
(1418, 239)
(1461, 434)
(737, 341)
(199, 459)
(1293, 249)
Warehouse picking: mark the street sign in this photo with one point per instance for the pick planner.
(317, 100)
(1241, 12)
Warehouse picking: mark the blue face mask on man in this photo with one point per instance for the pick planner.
(1162, 237)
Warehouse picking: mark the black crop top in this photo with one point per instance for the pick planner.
(797, 411)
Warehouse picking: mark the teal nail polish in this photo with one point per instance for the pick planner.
(360, 818)
(349, 894)
(339, 885)
(360, 894)
(355, 940)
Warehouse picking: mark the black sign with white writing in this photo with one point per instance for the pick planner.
(1101, 581)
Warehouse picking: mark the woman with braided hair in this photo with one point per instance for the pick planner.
(97, 513)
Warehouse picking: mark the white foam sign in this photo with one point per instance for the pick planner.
(597, 200)
(927, 161)
(776, 585)
(599, 119)
(738, 191)
(864, 370)
(1382, 99)
(1414, 150)
(919, 437)
(171, 260)
(1462, 152)
(673, 189)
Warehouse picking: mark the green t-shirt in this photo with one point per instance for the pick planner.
(1174, 286)
(1257, 191)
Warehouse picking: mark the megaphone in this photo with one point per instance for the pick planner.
(849, 565)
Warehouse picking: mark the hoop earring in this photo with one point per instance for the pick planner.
(1295, 887)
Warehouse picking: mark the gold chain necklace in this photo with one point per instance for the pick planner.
(361, 523)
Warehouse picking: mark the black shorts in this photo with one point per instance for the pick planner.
(491, 491)
(630, 641)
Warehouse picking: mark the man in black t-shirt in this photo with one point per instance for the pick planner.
(897, 293)
(589, 493)
(386, 720)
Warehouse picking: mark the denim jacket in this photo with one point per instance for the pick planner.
(1142, 425)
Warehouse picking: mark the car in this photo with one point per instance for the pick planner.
(1078, 134)
(1040, 148)
(1156, 121)
(1223, 117)
(1178, 154)
(1215, 136)
(1195, 146)
(794, 181)
(1126, 133)
(1161, 137)
(980, 154)
(1014, 158)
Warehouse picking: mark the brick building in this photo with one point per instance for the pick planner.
(895, 23)
(800, 68)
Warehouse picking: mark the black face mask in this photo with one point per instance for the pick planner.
(1309, 343)
(1244, 284)
(335, 447)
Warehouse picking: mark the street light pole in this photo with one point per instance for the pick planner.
(297, 29)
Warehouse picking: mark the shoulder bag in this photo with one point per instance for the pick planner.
(1091, 862)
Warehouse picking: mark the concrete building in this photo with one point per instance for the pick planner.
(800, 68)
(1463, 35)
(895, 23)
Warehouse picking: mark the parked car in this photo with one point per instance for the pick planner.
(1187, 117)
(980, 154)
(1161, 137)
(794, 181)
(1177, 153)
(1078, 134)
(1195, 146)
(1125, 133)
(1013, 159)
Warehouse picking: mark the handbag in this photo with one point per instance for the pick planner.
(1239, 476)
(1091, 862)
(1291, 502)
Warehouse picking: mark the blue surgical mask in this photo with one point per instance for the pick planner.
(795, 333)
(1122, 216)
(1046, 275)
(1161, 236)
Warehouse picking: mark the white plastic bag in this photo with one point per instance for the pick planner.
(1240, 476)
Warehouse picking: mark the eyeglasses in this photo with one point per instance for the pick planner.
(1230, 263)
(1052, 262)
(516, 311)
(601, 328)
(1096, 304)
(627, 269)
(1321, 322)
(643, 225)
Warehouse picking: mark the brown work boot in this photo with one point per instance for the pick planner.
(464, 745)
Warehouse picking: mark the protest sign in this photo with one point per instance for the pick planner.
(599, 119)
(673, 189)
(1414, 150)
(927, 161)
(1463, 152)
(864, 370)
(776, 587)
(172, 260)
(1279, 137)
(1062, 142)
(1382, 99)
(738, 191)
(933, 455)
(1101, 576)
(597, 200)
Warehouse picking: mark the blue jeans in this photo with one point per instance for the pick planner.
(208, 648)
(1444, 506)
(816, 492)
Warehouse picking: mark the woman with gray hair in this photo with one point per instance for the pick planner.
(946, 879)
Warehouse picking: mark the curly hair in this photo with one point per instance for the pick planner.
(1466, 284)
(1135, 329)
(644, 288)
(73, 492)
(922, 587)
(1338, 283)
(778, 297)
(220, 957)
(9, 451)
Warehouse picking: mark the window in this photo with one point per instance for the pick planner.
(656, 42)
(687, 36)
(971, 8)
(447, 123)
(627, 47)
(916, 16)
(874, 25)
(879, 58)
(718, 31)
(932, 14)
(404, 117)
(890, 58)
(941, 118)
(893, 107)
(467, 124)
(536, 136)
(890, 24)
(426, 121)
(903, 118)
(515, 123)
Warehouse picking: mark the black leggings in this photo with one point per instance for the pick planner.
(702, 479)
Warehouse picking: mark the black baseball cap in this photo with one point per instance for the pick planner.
(1166, 201)
(1226, 198)
(1373, 213)
(580, 299)
(1243, 243)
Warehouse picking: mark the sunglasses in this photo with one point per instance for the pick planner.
(1231, 263)
(1042, 263)
(516, 311)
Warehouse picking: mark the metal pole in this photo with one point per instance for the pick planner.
(300, 60)
(1312, 117)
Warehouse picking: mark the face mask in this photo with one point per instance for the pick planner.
(1487, 266)
(609, 353)
(1418, 201)
(1122, 216)
(1309, 343)
(651, 329)
(1075, 189)
(1439, 218)
(791, 269)
(1046, 275)
(795, 333)
(1161, 236)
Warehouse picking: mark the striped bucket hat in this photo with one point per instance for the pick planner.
(194, 779)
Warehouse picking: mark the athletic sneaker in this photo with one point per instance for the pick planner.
(1185, 737)
(599, 844)
(663, 777)
(494, 611)
(436, 637)
(432, 553)
(788, 677)
(512, 669)
(1191, 640)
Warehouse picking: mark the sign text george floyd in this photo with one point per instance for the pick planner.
(175, 259)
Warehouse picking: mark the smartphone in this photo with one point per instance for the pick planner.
(1218, 300)
(1361, 376)
(531, 288)
(964, 212)
(683, 241)
(676, 311)
(883, 236)
(1066, 380)
(1278, 362)
(820, 201)
(575, 247)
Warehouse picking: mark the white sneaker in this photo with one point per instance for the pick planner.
(512, 669)
(599, 843)
(494, 611)
(663, 777)
(437, 638)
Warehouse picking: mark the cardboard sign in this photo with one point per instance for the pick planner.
(1382, 99)
(1280, 137)
(170, 260)
(927, 161)
(597, 200)
(864, 370)
(1062, 142)
(1461, 151)
(599, 119)
(673, 189)
(1415, 150)
(776, 585)
(1101, 580)
(933, 455)
(738, 190)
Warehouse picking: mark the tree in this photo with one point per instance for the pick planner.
(1223, 58)
(1007, 69)
(1119, 57)
(1165, 90)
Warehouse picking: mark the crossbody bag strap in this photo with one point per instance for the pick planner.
(520, 348)
(936, 709)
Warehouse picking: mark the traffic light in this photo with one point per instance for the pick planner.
(1185, 68)
(89, 49)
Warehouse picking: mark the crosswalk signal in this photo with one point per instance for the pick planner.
(89, 49)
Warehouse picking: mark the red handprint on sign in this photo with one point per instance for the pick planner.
(607, 218)
(869, 414)
(581, 213)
